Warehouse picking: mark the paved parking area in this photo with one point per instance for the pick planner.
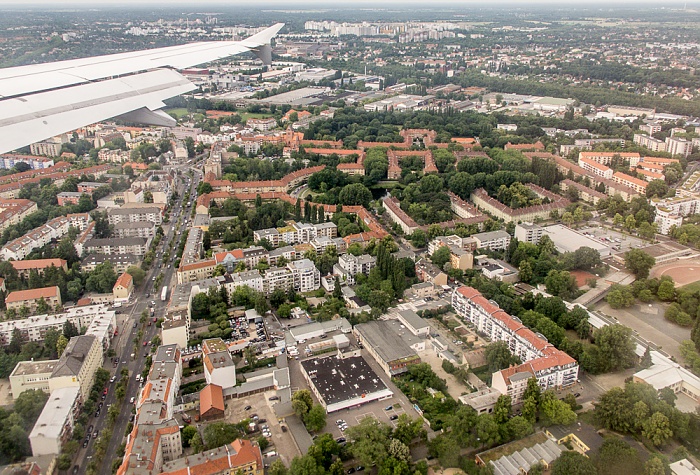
(281, 442)
(609, 238)
(650, 326)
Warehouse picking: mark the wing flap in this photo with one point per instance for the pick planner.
(41, 77)
(33, 118)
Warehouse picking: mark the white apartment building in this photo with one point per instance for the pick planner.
(134, 215)
(671, 211)
(251, 278)
(135, 246)
(651, 129)
(493, 240)
(357, 264)
(262, 124)
(277, 278)
(270, 234)
(77, 365)
(9, 160)
(287, 252)
(34, 328)
(55, 424)
(296, 233)
(141, 229)
(322, 243)
(219, 368)
(306, 276)
(552, 368)
(55, 229)
(529, 232)
(50, 149)
(651, 143)
(678, 146)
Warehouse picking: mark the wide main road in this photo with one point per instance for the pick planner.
(124, 345)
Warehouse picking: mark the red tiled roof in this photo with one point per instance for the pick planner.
(32, 294)
(211, 397)
(125, 280)
(197, 265)
(37, 264)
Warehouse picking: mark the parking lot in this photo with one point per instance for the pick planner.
(352, 416)
(261, 406)
(616, 241)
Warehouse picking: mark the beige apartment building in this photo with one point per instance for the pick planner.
(31, 298)
(78, 364)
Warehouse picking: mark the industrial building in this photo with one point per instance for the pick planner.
(341, 383)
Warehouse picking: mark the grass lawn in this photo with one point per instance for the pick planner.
(692, 287)
(249, 115)
(179, 112)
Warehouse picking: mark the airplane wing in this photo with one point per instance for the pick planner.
(43, 100)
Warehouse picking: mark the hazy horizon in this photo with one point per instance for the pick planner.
(94, 3)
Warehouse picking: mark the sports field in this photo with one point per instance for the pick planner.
(682, 272)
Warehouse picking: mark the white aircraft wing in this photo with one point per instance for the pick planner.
(43, 100)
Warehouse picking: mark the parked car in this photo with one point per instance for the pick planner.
(393, 417)
(247, 408)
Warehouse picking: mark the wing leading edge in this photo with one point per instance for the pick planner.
(44, 100)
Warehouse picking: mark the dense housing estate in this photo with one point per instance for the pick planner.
(552, 368)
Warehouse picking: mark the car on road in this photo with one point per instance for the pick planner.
(75, 469)
(131, 401)
(86, 442)
(247, 408)
(90, 428)
(359, 468)
(577, 394)
(112, 379)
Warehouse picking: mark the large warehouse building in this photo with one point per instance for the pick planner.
(341, 383)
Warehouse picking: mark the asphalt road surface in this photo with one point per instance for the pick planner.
(123, 344)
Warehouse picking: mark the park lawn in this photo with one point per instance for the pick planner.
(179, 111)
(253, 115)
(692, 287)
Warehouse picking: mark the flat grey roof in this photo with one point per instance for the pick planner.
(339, 380)
(568, 240)
(388, 344)
(488, 236)
(412, 318)
(24, 368)
(55, 413)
